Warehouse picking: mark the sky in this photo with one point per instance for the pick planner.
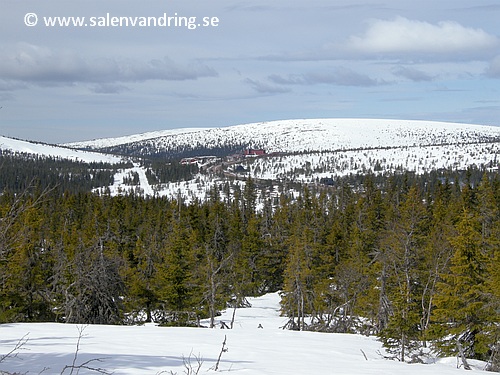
(242, 61)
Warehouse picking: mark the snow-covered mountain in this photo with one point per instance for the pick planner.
(303, 136)
(310, 151)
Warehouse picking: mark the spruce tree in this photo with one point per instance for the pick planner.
(297, 283)
(461, 315)
(403, 243)
(176, 275)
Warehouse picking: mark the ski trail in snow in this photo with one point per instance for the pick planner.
(143, 180)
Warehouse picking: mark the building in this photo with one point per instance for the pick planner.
(254, 152)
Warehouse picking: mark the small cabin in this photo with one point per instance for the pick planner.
(254, 152)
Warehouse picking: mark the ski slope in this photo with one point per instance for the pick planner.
(149, 349)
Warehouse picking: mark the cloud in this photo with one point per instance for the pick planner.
(412, 74)
(482, 8)
(265, 88)
(402, 39)
(402, 35)
(493, 70)
(11, 85)
(109, 88)
(43, 66)
(5, 96)
(340, 76)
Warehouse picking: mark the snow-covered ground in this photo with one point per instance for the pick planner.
(42, 149)
(419, 159)
(251, 350)
(108, 142)
(305, 151)
(310, 135)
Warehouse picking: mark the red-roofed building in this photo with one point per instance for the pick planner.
(254, 152)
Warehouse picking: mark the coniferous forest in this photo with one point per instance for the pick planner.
(412, 259)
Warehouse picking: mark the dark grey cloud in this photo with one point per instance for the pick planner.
(493, 70)
(10, 85)
(341, 76)
(266, 88)
(412, 74)
(44, 66)
(481, 8)
(6, 96)
(109, 88)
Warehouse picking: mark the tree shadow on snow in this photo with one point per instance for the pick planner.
(54, 363)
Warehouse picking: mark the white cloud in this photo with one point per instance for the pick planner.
(402, 35)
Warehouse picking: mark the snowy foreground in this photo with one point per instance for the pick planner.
(251, 350)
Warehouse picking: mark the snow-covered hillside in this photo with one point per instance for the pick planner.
(149, 349)
(302, 151)
(309, 150)
(309, 167)
(109, 142)
(41, 149)
(310, 135)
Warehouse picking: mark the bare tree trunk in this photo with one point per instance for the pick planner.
(234, 314)
(462, 355)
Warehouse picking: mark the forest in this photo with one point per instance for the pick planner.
(412, 259)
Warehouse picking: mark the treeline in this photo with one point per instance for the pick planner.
(156, 151)
(160, 172)
(20, 171)
(415, 260)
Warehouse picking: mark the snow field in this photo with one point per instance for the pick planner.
(56, 152)
(341, 163)
(150, 349)
(311, 135)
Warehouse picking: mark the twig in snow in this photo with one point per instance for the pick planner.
(223, 350)
(14, 352)
(85, 365)
(364, 355)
